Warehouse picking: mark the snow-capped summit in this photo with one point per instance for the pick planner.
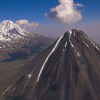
(8, 25)
(11, 33)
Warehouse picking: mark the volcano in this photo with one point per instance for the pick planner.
(69, 69)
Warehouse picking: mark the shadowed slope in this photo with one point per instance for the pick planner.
(68, 70)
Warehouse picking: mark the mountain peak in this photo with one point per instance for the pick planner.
(74, 32)
(7, 25)
(9, 21)
(12, 33)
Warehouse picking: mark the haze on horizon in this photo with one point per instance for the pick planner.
(52, 18)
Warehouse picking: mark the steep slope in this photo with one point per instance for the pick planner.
(68, 70)
(17, 41)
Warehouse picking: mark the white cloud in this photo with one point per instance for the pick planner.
(66, 12)
(21, 22)
(25, 22)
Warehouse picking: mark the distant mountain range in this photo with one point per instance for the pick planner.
(69, 69)
(17, 43)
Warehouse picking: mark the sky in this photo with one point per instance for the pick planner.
(53, 17)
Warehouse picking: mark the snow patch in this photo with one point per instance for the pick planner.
(71, 43)
(29, 76)
(65, 44)
(78, 54)
(6, 91)
(13, 89)
(56, 45)
(77, 29)
(70, 33)
(74, 33)
(86, 44)
(92, 42)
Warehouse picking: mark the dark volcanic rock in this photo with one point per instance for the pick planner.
(68, 70)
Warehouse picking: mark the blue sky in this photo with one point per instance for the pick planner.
(33, 11)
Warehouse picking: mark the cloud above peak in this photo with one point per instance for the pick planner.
(66, 12)
(25, 22)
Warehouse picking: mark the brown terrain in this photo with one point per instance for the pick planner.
(69, 69)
